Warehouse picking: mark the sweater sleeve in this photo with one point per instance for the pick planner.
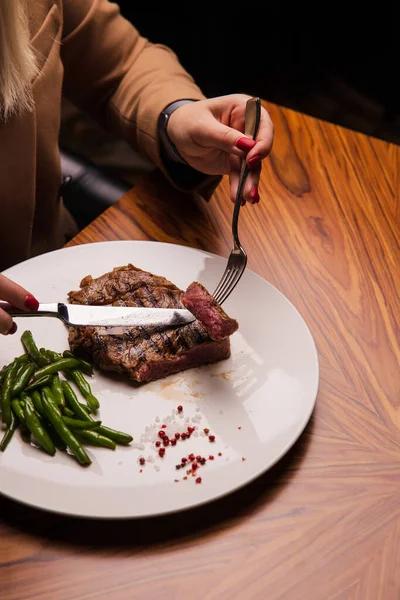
(123, 80)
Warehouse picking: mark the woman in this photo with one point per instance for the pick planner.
(88, 51)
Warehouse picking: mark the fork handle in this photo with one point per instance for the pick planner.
(244, 171)
(251, 126)
(44, 310)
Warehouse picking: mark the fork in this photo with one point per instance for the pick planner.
(238, 258)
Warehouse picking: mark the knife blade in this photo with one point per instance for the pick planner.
(76, 315)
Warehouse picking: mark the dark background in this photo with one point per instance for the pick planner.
(337, 61)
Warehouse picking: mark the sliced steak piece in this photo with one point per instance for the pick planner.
(143, 353)
(208, 312)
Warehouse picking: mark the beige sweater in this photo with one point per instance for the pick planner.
(99, 60)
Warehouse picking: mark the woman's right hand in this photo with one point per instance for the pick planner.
(17, 296)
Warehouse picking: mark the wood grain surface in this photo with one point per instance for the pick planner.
(324, 524)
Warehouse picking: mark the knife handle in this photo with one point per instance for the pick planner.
(44, 310)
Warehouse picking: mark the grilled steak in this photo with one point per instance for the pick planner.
(143, 353)
(208, 312)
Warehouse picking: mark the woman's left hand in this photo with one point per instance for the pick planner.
(209, 135)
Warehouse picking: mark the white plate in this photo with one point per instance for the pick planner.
(257, 403)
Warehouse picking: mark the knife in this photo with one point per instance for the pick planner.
(76, 315)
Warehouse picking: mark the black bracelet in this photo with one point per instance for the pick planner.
(168, 145)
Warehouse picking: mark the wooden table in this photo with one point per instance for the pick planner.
(325, 523)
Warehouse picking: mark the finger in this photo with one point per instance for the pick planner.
(250, 192)
(6, 324)
(17, 295)
(234, 176)
(264, 141)
(214, 134)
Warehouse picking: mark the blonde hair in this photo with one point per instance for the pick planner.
(17, 61)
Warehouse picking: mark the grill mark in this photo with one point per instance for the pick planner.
(135, 347)
(151, 334)
(173, 338)
(163, 335)
(174, 299)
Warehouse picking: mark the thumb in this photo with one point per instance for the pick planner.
(225, 138)
(16, 295)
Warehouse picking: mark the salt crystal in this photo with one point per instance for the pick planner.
(181, 415)
(157, 468)
(157, 419)
(196, 434)
(187, 420)
(138, 446)
(197, 409)
(221, 412)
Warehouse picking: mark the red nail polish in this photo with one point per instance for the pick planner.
(13, 329)
(254, 161)
(254, 195)
(245, 144)
(31, 303)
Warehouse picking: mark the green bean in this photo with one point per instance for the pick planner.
(55, 419)
(78, 378)
(84, 366)
(93, 403)
(25, 435)
(67, 412)
(46, 394)
(77, 424)
(18, 410)
(21, 366)
(24, 400)
(22, 378)
(5, 393)
(73, 403)
(95, 439)
(85, 407)
(37, 401)
(12, 426)
(51, 355)
(57, 390)
(60, 365)
(37, 430)
(3, 372)
(31, 348)
(47, 379)
(57, 441)
(117, 436)
(84, 388)
(37, 398)
(24, 358)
